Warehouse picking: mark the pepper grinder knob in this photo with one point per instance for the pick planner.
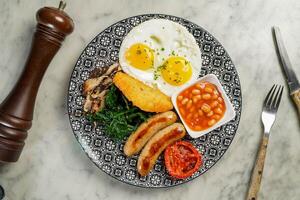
(16, 111)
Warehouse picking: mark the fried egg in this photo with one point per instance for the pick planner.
(161, 53)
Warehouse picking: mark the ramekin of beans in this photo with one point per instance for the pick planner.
(203, 106)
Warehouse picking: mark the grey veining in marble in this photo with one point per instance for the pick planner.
(53, 166)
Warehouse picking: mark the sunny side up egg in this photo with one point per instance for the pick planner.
(161, 53)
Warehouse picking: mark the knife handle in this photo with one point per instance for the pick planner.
(296, 98)
(258, 170)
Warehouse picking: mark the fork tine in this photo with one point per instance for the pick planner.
(279, 98)
(272, 97)
(275, 97)
(269, 97)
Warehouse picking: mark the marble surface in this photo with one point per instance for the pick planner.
(53, 166)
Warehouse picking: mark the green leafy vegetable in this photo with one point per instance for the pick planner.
(119, 117)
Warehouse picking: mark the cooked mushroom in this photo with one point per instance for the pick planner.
(90, 84)
(107, 81)
(87, 104)
(100, 95)
(97, 72)
(99, 101)
(95, 88)
(112, 69)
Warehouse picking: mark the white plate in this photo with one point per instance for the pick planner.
(229, 113)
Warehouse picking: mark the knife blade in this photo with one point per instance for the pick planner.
(291, 78)
(293, 83)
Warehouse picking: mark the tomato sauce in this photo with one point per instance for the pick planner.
(201, 106)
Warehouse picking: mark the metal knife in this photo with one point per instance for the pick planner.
(292, 81)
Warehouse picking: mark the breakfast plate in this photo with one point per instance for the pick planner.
(107, 153)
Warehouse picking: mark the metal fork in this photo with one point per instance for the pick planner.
(268, 115)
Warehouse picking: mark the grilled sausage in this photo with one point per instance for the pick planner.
(156, 145)
(146, 130)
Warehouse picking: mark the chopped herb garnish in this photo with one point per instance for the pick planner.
(158, 71)
(156, 39)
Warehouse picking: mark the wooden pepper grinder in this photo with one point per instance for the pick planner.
(16, 111)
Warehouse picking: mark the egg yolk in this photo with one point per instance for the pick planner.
(140, 56)
(176, 70)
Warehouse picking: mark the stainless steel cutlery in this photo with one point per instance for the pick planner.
(268, 116)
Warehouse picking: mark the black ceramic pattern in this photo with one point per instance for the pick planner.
(2, 194)
(108, 155)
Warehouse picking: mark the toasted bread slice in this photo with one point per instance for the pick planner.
(141, 95)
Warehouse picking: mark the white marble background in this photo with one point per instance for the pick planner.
(53, 166)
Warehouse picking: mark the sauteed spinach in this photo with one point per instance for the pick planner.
(119, 117)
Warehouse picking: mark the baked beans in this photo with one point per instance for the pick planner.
(201, 105)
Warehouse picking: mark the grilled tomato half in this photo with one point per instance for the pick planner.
(182, 159)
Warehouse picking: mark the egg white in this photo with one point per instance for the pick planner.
(174, 40)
